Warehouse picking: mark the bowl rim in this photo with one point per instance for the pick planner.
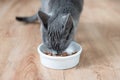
(59, 57)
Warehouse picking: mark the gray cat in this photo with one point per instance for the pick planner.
(59, 22)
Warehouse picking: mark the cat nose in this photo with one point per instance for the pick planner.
(58, 50)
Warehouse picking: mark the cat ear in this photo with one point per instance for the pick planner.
(68, 23)
(44, 18)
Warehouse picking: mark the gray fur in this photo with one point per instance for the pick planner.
(28, 19)
(61, 24)
(59, 21)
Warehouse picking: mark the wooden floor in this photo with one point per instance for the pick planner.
(98, 33)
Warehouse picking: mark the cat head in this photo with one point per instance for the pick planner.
(57, 31)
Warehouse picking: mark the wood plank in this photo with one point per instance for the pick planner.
(98, 33)
(19, 59)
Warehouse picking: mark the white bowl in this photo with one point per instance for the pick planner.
(60, 62)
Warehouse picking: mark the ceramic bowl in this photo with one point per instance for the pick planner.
(59, 62)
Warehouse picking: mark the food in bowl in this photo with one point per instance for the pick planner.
(62, 54)
(59, 62)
